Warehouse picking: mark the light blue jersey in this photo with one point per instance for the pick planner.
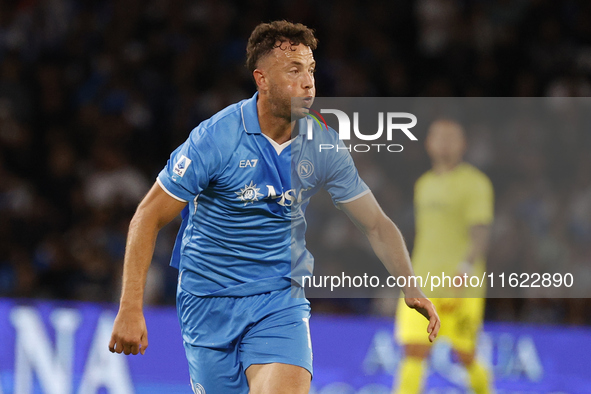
(243, 229)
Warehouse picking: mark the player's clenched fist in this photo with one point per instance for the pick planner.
(130, 335)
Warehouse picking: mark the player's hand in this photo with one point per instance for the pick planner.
(130, 335)
(427, 309)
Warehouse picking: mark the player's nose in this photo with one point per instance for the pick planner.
(308, 81)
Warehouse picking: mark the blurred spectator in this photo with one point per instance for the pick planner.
(110, 180)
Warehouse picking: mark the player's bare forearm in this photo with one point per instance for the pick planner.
(388, 244)
(155, 211)
(130, 335)
(479, 237)
(139, 249)
(385, 238)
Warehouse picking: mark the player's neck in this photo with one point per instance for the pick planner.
(278, 129)
(444, 167)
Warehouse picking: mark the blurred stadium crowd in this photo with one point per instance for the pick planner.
(94, 96)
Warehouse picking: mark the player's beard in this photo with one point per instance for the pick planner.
(282, 105)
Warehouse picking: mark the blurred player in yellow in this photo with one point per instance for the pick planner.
(454, 210)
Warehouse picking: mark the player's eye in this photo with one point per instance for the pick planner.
(294, 71)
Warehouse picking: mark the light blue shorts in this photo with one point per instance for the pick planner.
(223, 336)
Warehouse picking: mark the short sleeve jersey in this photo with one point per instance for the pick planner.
(243, 230)
(446, 207)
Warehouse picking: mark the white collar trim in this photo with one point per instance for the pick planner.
(278, 147)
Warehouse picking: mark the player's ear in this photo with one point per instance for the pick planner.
(260, 79)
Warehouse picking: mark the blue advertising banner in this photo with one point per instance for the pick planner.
(61, 348)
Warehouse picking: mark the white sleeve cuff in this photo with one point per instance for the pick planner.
(168, 192)
(363, 193)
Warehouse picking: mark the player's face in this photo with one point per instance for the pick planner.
(289, 73)
(446, 142)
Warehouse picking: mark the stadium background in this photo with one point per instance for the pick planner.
(94, 96)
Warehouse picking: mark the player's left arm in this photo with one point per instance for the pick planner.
(479, 241)
(388, 245)
(479, 211)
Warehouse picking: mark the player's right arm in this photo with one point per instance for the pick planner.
(388, 245)
(157, 209)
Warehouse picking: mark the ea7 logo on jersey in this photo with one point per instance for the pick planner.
(180, 167)
(248, 163)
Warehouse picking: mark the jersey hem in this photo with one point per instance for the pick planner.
(190, 280)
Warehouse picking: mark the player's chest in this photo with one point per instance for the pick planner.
(440, 196)
(258, 174)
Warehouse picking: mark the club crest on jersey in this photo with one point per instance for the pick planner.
(249, 194)
(181, 167)
(305, 169)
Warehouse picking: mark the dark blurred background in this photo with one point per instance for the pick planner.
(94, 95)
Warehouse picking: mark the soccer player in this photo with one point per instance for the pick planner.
(241, 247)
(454, 210)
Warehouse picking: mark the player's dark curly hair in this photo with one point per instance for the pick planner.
(266, 35)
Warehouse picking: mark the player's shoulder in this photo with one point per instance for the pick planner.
(425, 178)
(323, 134)
(474, 180)
(470, 172)
(226, 121)
(320, 142)
(332, 134)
